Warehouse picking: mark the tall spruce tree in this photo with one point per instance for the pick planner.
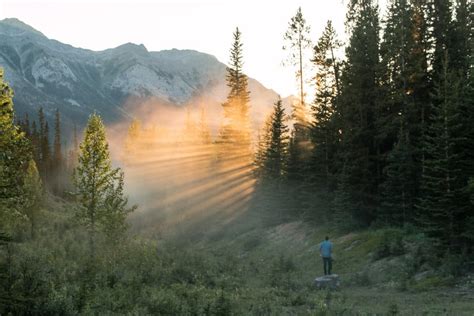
(359, 97)
(394, 138)
(440, 18)
(235, 133)
(99, 187)
(442, 205)
(325, 128)
(275, 147)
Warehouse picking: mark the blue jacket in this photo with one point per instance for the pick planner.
(325, 249)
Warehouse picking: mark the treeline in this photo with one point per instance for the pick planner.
(55, 161)
(390, 135)
(96, 186)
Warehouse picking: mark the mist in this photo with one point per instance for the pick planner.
(176, 172)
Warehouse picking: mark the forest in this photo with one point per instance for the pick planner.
(191, 221)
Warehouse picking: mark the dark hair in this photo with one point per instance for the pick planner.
(327, 238)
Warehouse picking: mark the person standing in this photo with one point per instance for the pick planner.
(325, 250)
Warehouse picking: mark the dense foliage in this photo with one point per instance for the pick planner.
(392, 129)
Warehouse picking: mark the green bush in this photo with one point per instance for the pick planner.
(391, 243)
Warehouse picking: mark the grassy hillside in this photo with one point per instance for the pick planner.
(253, 265)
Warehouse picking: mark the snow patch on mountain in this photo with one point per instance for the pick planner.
(73, 102)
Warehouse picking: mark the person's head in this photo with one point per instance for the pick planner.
(327, 238)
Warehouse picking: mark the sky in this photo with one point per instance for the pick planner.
(202, 25)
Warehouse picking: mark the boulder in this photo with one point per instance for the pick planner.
(331, 282)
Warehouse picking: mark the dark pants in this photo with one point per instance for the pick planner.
(327, 262)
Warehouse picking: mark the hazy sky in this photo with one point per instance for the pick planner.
(203, 25)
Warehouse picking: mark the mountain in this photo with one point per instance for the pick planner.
(47, 73)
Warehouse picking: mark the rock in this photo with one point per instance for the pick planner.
(331, 282)
(423, 275)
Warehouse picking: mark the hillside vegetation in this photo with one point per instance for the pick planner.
(254, 267)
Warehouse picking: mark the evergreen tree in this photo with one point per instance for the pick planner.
(73, 152)
(419, 81)
(262, 146)
(99, 187)
(297, 42)
(440, 17)
(25, 126)
(343, 205)
(360, 95)
(397, 193)
(33, 190)
(116, 209)
(57, 159)
(325, 129)
(14, 157)
(35, 143)
(442, 205)
(44, 148)
(395, 112)
(275, 151)
(235, 134)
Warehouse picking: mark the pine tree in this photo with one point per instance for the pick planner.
(325, 129)
(33, 190)
(395, 138)
(397, 193)
(44, 148)
(420, 81)
(235, 134)
(57, 159)
(343, 205)
(442, 204)
(25, 126)
(14, 157)
(275, 151)
(297, 40)
(360, 94)
(297, 43)
(35, 143)
(99, 187)
(440, 21)
(116, 209)
(73, 152)
(262, 146)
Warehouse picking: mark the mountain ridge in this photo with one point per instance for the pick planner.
(77, 81)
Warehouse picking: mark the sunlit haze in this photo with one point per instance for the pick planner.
(204, 25)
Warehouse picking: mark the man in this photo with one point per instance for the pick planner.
(325, 250)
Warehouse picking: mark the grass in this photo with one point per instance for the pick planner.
(285, 258)
(254, 265)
